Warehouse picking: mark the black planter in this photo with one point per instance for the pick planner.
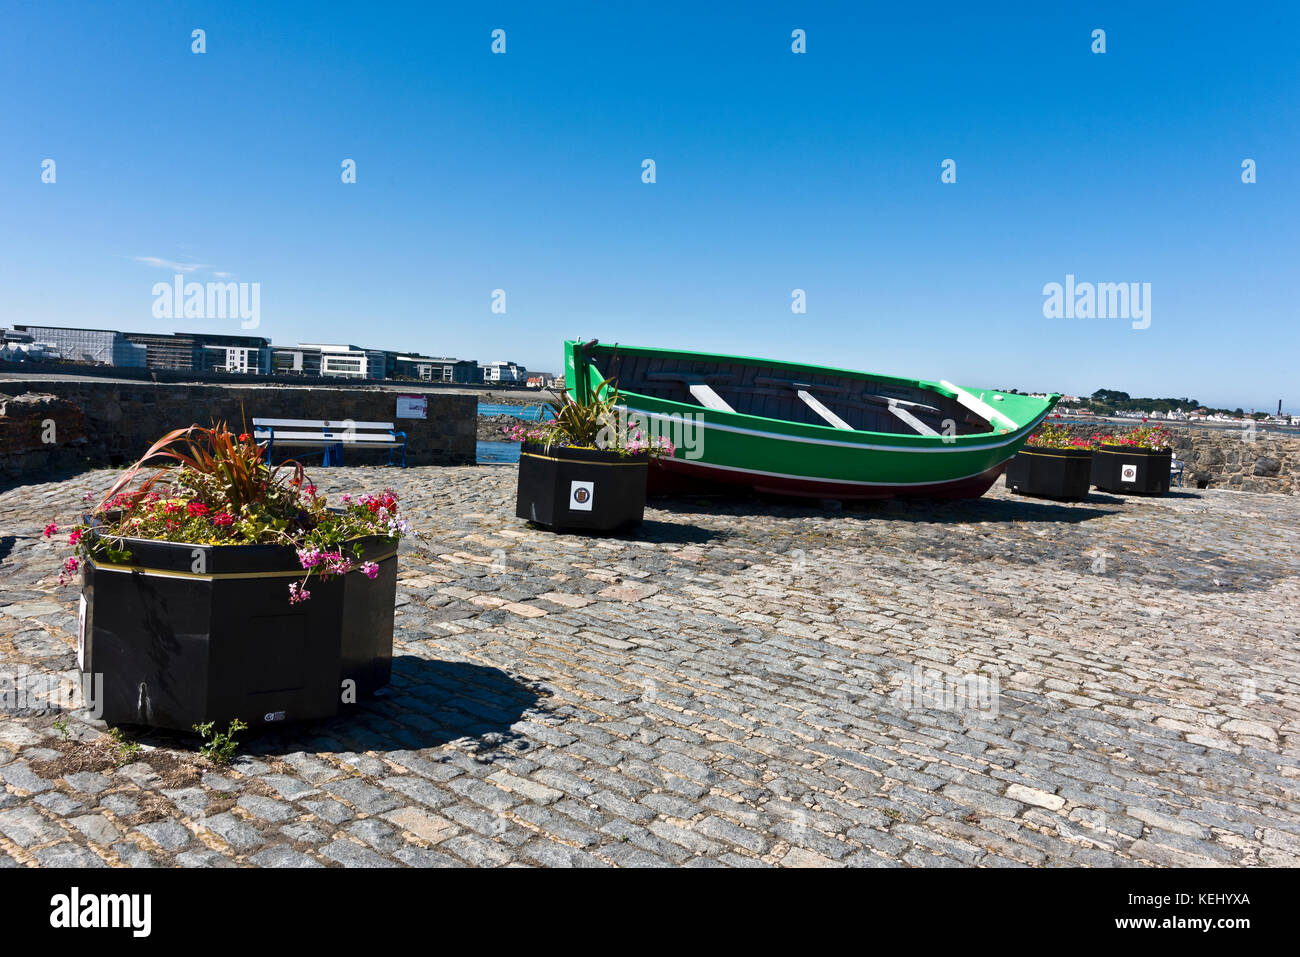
(186, 634)
(589, 490)
(1116, 468)
(1051, 473)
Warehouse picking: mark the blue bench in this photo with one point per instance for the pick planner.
(331, 437)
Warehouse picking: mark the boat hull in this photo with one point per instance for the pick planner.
(674, 477)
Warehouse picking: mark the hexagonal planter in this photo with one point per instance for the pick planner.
(1117, 468)
(581, 490)
(187, 634)
(1051, 473)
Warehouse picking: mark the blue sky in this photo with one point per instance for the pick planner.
(775, 171)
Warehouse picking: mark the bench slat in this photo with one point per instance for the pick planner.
(320, 423)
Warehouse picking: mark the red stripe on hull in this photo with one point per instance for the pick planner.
(672, 477)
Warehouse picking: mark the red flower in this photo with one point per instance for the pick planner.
(223, 519)
(50, 529)
(75, 536)
(197, 509)
(244, 436)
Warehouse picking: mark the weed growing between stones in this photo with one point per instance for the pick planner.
(219, 747)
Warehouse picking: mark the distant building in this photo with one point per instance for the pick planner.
(21, 347)
(505, 372)
(346, 360)
(100, 346)
(203, 352)
(434, 369)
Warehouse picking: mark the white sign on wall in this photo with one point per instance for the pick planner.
(412, 406)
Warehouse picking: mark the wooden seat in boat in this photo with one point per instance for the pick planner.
(698, 386)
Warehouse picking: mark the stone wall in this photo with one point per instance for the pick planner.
(98, 424)
(1225, 458)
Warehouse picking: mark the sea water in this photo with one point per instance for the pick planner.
(497, 453)
(529, 413)
(505, 453)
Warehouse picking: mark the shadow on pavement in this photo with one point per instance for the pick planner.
(430, 702)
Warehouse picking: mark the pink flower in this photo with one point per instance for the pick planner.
(370, 569)
(70, 568)
(310, 490)
(297, 593)
(336, 564)
(50, 529)
(347, 498)
(75, 536)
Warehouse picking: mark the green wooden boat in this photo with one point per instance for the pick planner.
(807, 430)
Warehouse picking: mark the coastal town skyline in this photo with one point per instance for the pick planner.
(16, 345)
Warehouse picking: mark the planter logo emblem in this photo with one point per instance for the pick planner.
(1128, 473)
(580, 496)
(273, 716)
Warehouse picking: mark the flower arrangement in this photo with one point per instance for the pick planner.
(1153, 437)
(1052, 436)
(598, 423)
(222, 491)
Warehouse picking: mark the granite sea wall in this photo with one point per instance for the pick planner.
(87, 424)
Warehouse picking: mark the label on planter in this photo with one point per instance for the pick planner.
(581, 495)
(1128, 473)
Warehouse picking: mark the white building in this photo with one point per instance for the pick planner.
(245, 359)
(347, 360)
(511, 372)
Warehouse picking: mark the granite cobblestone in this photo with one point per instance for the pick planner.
(699, 694)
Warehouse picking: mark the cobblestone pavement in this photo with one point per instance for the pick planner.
(998, 683)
